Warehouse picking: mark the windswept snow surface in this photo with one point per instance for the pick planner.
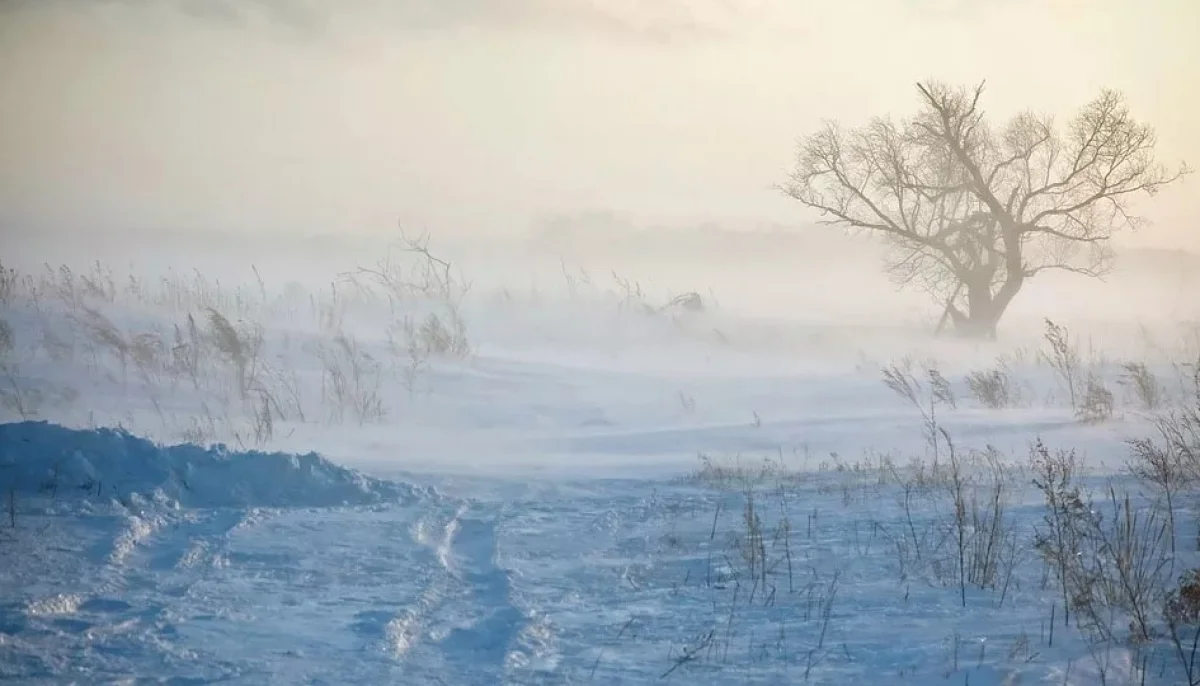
(529, 513)
(365, 581)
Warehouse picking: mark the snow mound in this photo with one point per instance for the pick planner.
(40, 457)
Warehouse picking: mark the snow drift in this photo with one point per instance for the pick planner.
(40, 457)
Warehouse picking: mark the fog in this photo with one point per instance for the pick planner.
(624, 359)
(254, 127)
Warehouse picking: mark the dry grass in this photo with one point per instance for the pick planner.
(218, 351)
(1123, 581)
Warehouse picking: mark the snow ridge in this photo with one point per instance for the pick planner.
(41, 457)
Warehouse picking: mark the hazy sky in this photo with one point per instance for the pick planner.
(478, 115)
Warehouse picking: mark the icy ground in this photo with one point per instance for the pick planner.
(536, 512)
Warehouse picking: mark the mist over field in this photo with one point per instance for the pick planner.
(283, 128)
(503, 342)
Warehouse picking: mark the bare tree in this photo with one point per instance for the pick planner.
(972, 212)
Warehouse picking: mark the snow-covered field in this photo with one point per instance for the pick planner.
(588, 484)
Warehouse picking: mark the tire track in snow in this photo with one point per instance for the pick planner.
(475, 633)
(173, 553)
(404, 631)
(493, 622)
(463, 626)
(133, 602)
(535, 655)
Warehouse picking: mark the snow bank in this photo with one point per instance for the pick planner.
(40, 457)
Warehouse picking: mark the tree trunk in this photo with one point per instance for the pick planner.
(979, 323)
(983, 311)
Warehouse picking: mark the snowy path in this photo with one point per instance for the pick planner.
(599, 581)
(409, 592)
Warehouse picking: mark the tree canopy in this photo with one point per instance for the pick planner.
(972, 211)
